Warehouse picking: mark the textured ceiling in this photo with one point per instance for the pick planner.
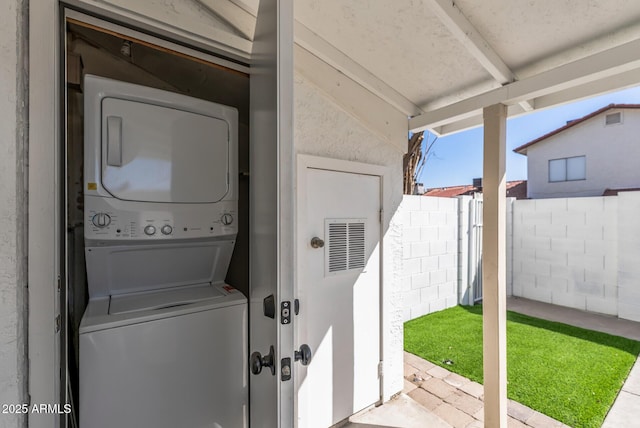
(408, 47)
(423, 55)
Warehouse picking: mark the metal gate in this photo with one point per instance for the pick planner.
(475, 248)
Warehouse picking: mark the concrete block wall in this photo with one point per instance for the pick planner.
(430, 254)
(629, 256)
(577, 252)
(565, 252)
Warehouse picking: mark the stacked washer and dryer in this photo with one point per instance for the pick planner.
(163, 341)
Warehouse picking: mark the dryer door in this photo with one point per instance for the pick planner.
(152, 153)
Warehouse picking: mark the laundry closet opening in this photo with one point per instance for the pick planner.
(96, 51)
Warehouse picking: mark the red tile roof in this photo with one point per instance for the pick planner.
(515, 189)
(452, 191)
(522, 149)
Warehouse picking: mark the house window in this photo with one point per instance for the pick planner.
(567, 169)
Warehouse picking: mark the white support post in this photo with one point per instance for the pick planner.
(494, 267)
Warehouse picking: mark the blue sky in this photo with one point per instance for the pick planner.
(457, 159)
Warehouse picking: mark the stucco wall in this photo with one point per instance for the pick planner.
(429, 254)
(12, 213)
(611, 153)
(323, 128)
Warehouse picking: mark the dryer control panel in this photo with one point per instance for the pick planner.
(109, 219)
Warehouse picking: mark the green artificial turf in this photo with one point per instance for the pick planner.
(566, 372)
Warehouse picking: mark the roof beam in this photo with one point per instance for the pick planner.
(624, 80)
(237, 17)
(602, 65)
(455, 21)
(318, 46)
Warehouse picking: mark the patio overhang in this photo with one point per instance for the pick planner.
(448, 60)
(607, 70)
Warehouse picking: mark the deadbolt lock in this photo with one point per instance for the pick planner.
(317, 242)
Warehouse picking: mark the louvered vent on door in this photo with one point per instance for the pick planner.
(345, 250)
(356, 245)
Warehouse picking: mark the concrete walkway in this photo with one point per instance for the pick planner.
(435, 397)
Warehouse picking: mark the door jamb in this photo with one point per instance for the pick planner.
(44, 200)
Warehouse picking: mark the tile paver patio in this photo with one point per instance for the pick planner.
(456, 401)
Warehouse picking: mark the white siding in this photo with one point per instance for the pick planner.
(323, 127)
(611, 153)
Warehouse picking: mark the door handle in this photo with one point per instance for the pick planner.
(303, 355)
(317, 242)
(114, 141)
(257, 362)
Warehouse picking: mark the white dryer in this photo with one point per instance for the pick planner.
(163, 341)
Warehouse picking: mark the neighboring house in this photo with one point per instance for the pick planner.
(595, 155)
(515, 189)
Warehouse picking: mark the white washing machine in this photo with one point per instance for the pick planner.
(163, 341)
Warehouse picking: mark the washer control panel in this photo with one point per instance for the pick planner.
(110, 219)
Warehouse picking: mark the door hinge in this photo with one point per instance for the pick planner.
(58, 323)
(381, 215)
(380, 369)
(59, 283)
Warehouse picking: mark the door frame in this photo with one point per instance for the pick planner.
(305, 162)
(46, 178)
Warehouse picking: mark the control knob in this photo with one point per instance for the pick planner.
(227, 219)
(150, 230)
(166, 229)
(101, 220)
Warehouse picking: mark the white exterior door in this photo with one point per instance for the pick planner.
(339, 293)
(271, 216)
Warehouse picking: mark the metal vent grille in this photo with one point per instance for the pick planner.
(356, 245)
(338, 247)
(613, 118)
(345, 250)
